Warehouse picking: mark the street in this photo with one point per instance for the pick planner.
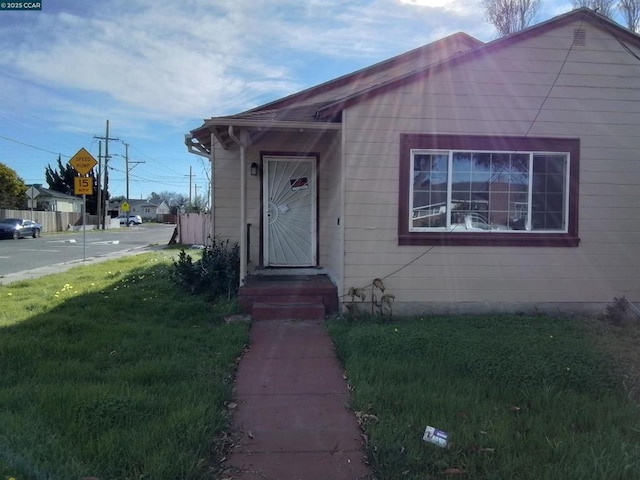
(50, 251)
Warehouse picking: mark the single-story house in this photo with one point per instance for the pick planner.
(147, 210)
(468, 176)
(163, 209)
(53, 201)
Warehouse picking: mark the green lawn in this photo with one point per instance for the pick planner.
(520, 397)
(110, 371)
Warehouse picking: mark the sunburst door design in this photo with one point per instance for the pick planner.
(290, 211)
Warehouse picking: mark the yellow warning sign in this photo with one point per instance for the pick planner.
(83, 162)
(83, 185)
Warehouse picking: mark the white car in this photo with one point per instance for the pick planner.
(130, 220)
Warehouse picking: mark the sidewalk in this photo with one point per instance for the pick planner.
(8, 278)
(291, 421)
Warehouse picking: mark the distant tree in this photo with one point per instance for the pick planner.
(509, 16)
(603, 7)
(12, 189)
(61, 180)
(630, 10)
(199, 204)
(176, 201)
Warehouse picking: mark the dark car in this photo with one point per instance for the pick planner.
(19, 228)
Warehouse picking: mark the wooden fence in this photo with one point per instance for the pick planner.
(194, 229)
(51, 221)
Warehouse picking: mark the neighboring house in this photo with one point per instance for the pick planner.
(53, 201)
(468, 176)
(163, 209)
(146, 210)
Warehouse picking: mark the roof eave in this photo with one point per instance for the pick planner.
(219, 126)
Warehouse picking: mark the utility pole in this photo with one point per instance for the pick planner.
(190, 177)
(106, 168)
(100, 204)
(190, 204)
(126, 168)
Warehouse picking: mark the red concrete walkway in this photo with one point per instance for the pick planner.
(291, 421)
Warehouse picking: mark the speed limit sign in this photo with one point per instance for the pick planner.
(83, 185)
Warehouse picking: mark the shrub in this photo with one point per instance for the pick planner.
(617, 312)
(216, 273)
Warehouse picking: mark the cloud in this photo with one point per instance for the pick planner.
(160, 59)
(456, 5)
(368, 29)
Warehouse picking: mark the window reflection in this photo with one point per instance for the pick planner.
(430, 175)
(489, 191)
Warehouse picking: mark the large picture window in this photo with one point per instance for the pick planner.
(473, 190)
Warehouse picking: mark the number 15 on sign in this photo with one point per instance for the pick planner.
(83, 185)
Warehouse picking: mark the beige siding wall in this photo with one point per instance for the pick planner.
(330, 193)
(227, 192)
(62, 206)
(517, 90)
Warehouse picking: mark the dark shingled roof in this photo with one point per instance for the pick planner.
(321, 106)
(302, 113)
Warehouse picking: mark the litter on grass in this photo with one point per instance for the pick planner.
(435, 436)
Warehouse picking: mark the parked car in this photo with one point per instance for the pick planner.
(19, 228)
(130, 219)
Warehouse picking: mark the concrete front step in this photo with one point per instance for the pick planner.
(272, 311)
(305, 297)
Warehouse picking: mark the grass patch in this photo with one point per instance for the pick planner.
(110, 371)
(520, 397)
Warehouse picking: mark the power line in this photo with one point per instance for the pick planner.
(149, 179)
(174, 180)
(553, 85)
(156, 161)
(33, 146)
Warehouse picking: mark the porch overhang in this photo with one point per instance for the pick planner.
(199, 140)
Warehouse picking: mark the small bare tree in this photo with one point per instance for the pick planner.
(510, 16)
(603, 7)
(630, 10)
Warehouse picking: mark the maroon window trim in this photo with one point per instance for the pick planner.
(476, 142)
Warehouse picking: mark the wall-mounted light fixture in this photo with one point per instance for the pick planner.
(254, 169)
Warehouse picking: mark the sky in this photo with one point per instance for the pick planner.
(155, 69)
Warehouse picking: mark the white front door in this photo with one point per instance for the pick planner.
(289, 200)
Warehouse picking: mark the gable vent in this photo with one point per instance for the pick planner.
(579, 37)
